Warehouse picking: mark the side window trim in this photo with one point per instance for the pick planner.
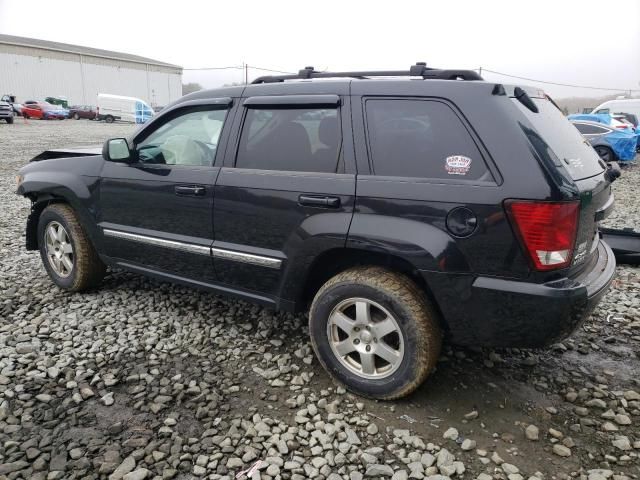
(298, 102)
(484, 153)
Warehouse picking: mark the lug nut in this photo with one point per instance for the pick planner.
(368, 348)
(368, 327)
(357, 329)
(375, 340)
(356, 341)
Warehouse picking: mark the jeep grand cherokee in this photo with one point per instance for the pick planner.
(396, 207)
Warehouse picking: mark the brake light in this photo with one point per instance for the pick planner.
(548, 231)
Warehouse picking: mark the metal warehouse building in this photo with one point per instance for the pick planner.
(34, 69)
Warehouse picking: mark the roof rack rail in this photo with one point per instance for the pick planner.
(420, 69)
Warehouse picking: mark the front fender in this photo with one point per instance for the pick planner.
(44, 187)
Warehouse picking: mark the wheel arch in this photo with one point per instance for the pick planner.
(40, 201)
(334, 261)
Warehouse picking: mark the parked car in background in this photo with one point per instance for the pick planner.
(44, 111)
(611, 144)
(626, 118)
(32, 110)
(6, 112)
(125, 109)
(57, 112)
(11, 100)
(83, 111)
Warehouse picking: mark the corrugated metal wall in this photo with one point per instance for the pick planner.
(33, 74)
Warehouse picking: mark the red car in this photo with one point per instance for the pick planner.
(43, 110)
(32, 111)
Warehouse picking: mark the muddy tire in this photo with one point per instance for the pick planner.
(375, 332)
(67, 253)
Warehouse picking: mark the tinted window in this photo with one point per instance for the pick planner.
(303, 140)
(556, 138)
(424, 139)
(587, 129)
(188, 139)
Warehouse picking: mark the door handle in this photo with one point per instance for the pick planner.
(322, 201)
(190, 190)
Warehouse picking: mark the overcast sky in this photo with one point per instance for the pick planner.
(582, 42)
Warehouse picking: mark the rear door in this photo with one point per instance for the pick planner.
(286, 191)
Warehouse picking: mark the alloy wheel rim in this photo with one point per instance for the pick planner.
(366, 338)
(59, 249)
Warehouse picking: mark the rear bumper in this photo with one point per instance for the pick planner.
(495, 312)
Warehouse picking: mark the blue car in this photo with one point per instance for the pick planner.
(610, 143)
(50, 112)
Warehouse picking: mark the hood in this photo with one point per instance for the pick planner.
(69, 152)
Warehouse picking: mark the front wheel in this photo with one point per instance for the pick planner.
(375, 332)
(76, 116)
(67, 253)
(10, 120)
(109, 119)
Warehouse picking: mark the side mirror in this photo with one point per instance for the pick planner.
(116, 150)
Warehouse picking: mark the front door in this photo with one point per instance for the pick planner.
(286, 191)
(157, 211)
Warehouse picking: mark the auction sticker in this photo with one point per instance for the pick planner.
(457, 165)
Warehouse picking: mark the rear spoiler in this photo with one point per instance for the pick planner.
(625, 244)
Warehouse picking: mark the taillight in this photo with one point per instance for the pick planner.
(547, 229)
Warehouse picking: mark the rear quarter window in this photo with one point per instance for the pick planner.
(554, 137)
(422, 138)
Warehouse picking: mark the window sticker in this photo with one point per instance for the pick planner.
(458, 165)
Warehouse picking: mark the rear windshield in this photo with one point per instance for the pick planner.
(557, 138)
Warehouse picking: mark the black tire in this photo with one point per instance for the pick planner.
(606, 154)
(414, 316)
(109, 119)
(25, 116)
(88, 270)
(10, 120)
(76, 116)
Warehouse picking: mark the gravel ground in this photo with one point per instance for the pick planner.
(143, 379)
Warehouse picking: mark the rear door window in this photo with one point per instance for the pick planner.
(422, 139)
(291, 139)
(555, 137)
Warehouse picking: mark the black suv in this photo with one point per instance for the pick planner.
(394, 209)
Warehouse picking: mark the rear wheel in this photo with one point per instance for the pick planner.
(109, 119)
(67, 253)
(76, 116)
(25, 115)
(375, 331)
(605, 153)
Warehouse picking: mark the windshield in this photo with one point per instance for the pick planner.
(556, 137)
